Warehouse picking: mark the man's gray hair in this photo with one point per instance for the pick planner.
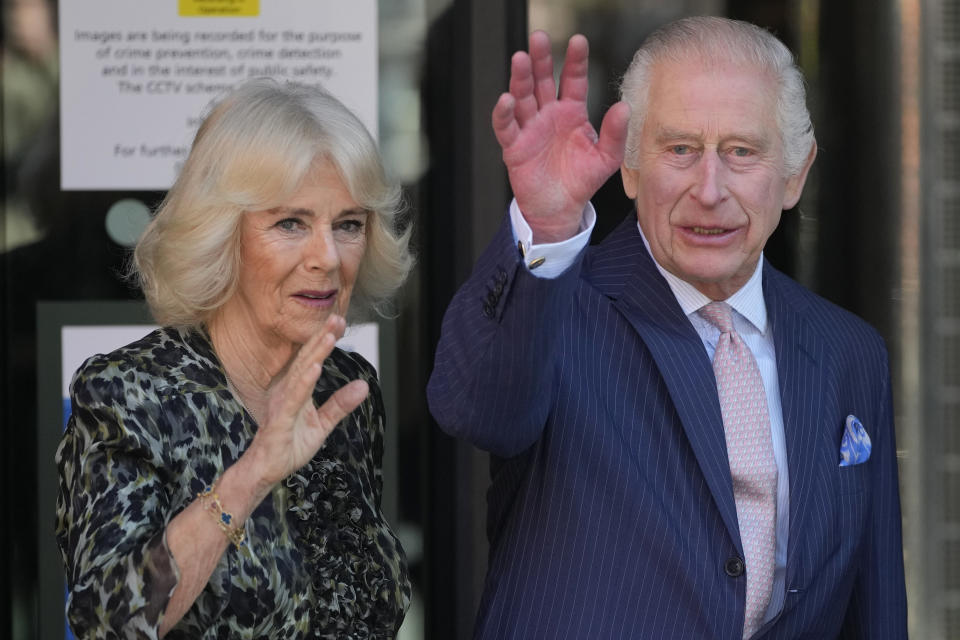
(710, 38)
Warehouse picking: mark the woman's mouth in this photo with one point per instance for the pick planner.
(317, 299)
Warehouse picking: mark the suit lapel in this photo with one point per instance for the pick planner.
(623, 270)
(800, 372)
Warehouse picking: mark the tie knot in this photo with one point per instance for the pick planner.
(719, 314)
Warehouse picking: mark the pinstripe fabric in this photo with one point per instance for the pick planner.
(611, 512)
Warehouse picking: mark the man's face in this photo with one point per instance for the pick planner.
(709, 180)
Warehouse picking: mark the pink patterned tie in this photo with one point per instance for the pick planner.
(746, 423)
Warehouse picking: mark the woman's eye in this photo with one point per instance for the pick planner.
(290, 224)
(350, 226)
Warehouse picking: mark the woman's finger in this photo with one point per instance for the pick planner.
(341, 404)
(296, 389)
(316, 349)
(301, 377)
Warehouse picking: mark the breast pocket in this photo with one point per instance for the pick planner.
(853, 479)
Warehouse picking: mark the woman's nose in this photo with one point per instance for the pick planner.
(322, 253)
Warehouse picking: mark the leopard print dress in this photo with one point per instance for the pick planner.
(152, 424)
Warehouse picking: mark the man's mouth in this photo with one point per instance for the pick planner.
(708, 231)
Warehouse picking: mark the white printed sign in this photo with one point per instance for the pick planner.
(79, 342)
(136, 75)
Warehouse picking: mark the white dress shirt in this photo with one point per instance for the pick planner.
(750, 321)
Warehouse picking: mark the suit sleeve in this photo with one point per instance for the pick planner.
(494, 367)
(112, 510)
(878, 606)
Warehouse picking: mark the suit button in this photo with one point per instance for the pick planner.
(733, 567)
(487, 310)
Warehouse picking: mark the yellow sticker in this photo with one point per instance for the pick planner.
(219, 8)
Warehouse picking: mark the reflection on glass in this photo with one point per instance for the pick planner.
(30, 77)
(64, 246)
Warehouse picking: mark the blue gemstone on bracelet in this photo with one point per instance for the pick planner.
(226, 517)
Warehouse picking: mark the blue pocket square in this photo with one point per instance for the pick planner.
(855, 446)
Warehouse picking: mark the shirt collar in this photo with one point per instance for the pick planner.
(747, 301)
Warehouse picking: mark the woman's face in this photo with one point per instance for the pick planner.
(299, 261)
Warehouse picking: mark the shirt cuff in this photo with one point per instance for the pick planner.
(549, 260)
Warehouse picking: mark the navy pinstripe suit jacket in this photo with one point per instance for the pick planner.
(611, 509)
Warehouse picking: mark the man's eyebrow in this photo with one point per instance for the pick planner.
(753, 140)
(669, 134)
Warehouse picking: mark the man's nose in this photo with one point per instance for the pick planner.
(709, 188)
(322, 253)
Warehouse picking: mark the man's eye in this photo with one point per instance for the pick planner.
(680, 149)
(741, 152)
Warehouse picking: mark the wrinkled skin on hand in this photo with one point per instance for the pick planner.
(555, 159)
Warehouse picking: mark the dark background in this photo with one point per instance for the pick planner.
(842, 241)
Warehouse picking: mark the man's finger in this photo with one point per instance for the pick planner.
(613, 133)
(504, 122)
(545, 88)
(573, 76)
(521, 87)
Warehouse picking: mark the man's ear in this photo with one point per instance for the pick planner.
(630, 179)
(791, 195)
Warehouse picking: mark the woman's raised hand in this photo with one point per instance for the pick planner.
(294, 429)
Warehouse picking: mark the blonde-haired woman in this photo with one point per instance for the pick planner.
(221, 476)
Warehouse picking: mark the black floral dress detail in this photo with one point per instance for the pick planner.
(153, 423)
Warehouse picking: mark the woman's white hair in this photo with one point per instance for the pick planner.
(723, 41)
(251, 153)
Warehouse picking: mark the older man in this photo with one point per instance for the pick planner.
(686, 443)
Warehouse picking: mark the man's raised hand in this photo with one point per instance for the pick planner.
(554, 157)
